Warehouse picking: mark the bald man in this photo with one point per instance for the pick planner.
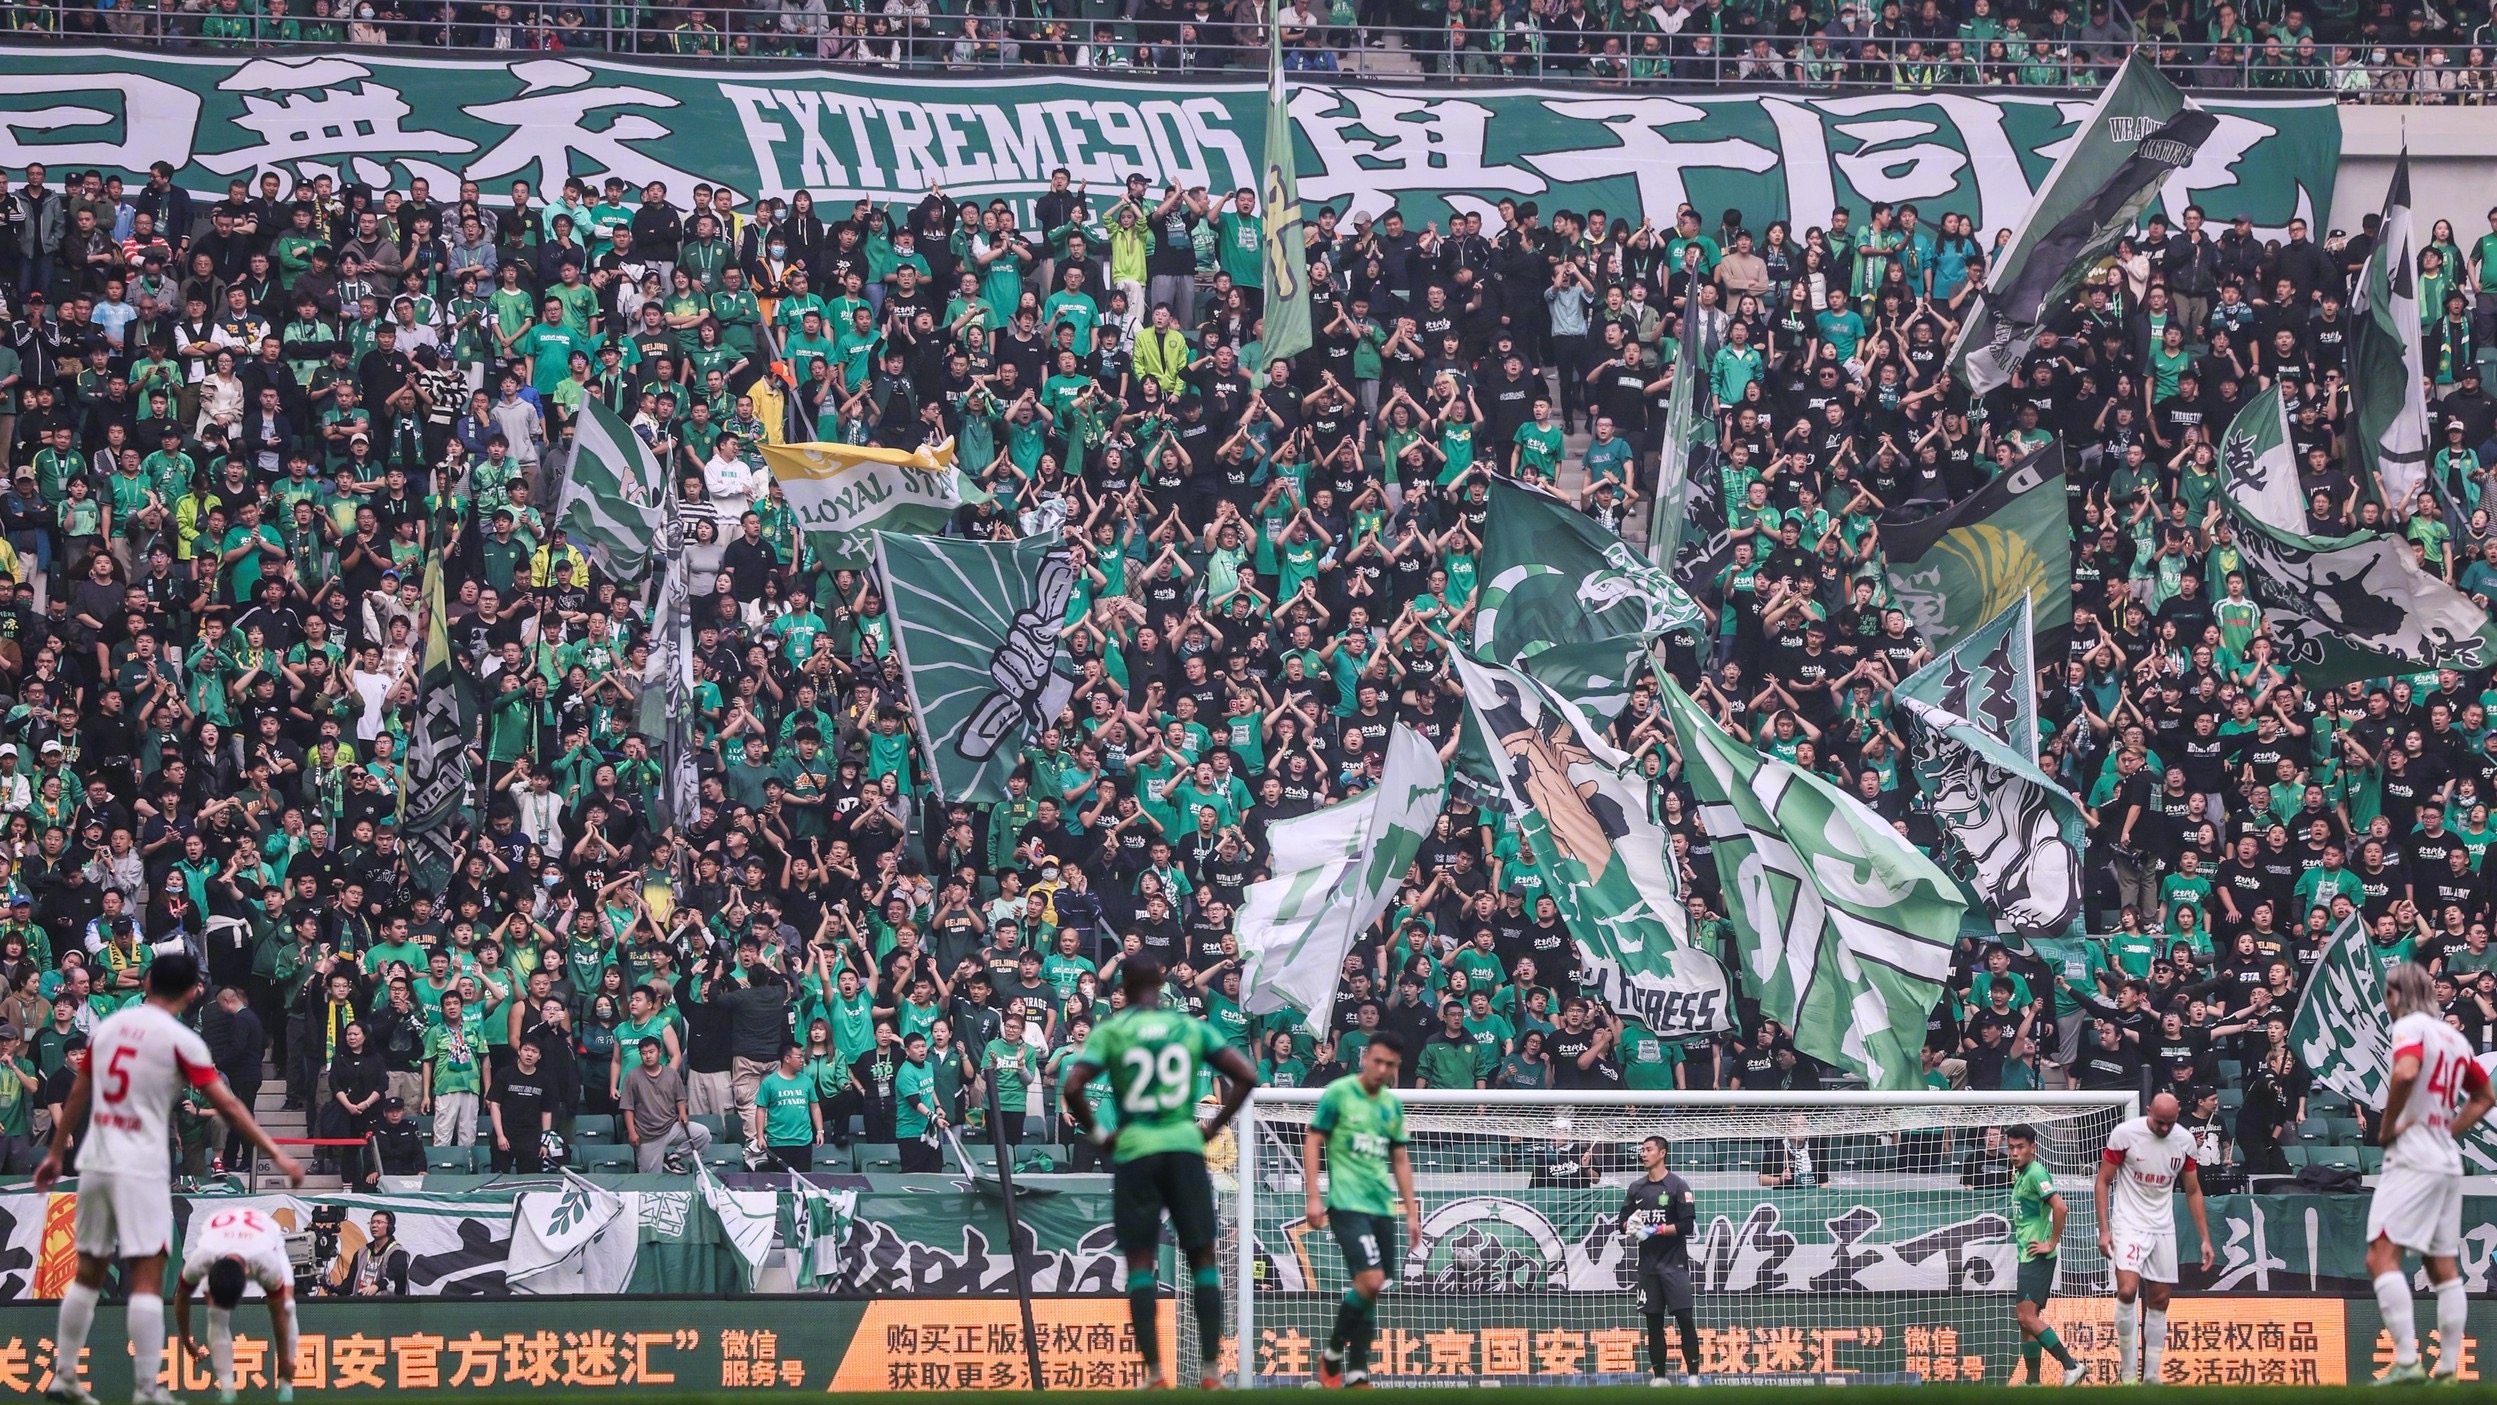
(2135, 1194)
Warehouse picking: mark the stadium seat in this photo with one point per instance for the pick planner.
(2295, 1153)
(456, 1159)
(2315, 1129)
(725, 1153)
(717, 1124)
(604, 1156)
(2370, 1159)
(594, 1127)
(875, 1156)
(2345, 1131)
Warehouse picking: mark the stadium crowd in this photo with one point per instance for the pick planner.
(237, 430)
(2359, 51)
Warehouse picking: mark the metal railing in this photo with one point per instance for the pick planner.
(1539, 40)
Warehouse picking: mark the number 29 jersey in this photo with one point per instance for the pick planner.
(1152, 1058)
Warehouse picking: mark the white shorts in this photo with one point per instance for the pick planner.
(2418, 1210)
(124, 1217)
(2152, 1257)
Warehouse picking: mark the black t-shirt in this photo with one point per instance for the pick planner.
(524, 1102)
(1567, 1049)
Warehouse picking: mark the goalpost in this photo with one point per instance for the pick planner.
(1882, 1252)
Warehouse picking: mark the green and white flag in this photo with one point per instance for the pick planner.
(843, 494)
(2259, 464)
(2342, 1033)
(1334, 871)
(1845, 929)
(975, 628)
(1609, 866)
(2140, 131)
(580, 1239)
(435, 813)
(747, 1217)
(2017, 836)
(816, 1229)
(614, 493)
(1553, 575)
(2388, 442)
(667, 703)
(2359, 606)
(1286, 250)
(1671, 510)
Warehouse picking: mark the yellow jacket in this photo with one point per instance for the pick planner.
(1162, 356)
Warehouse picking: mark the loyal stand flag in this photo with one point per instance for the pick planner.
(2259, 465)
(613, 495)
(2139, 132)
(2009, 541)
(2343, 1034)
(2359, 606)
(975, 628)
(1971, 718)
(842, 494)
(581, 1239)
(1334, 871)
(1583, 816)
(2387, 446)
(1845, 930)
(435, 813)
(667, 711)
(1286, 251)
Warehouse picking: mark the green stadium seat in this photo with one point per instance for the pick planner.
(876, 1156)
(2315, 1129)
(605, 1156)
(2345, 1130)
(2296, 1154)
(725, 1154)
(594, 1127)
(456, 1159)
(2370, 1159)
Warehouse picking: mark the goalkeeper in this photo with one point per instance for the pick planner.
(1359, 1128)
(1658, 1215)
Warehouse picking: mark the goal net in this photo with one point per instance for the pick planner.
(1854, 1237)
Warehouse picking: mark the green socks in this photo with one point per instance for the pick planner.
(2053, 1346)
(1143, 1311)
(2030, 1355)
(1208, 1297)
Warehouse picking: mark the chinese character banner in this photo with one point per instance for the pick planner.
(385, 121)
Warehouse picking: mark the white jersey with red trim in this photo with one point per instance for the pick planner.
(238, 1233)
(2143, 1198)
(138, 1064)
(2423, 1125)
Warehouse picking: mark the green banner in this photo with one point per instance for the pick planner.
(772, 130)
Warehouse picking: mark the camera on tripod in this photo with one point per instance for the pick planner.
(311, 1251)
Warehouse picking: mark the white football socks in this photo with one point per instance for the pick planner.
(2393, 1300)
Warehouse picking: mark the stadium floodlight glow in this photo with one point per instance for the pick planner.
(1885, 1254)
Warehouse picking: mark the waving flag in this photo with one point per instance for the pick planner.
(613, 494)
(2388, 444)
(2016, 836)
(975, 627)
(1610, 865)
(1334, 871)
(1845, 929)
(2139, 132)
(435, 811)
(1286, 250)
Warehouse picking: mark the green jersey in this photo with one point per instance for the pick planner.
(787, 1103)
(2032, 1213)
(1362, 1130)
(1153, 1057)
